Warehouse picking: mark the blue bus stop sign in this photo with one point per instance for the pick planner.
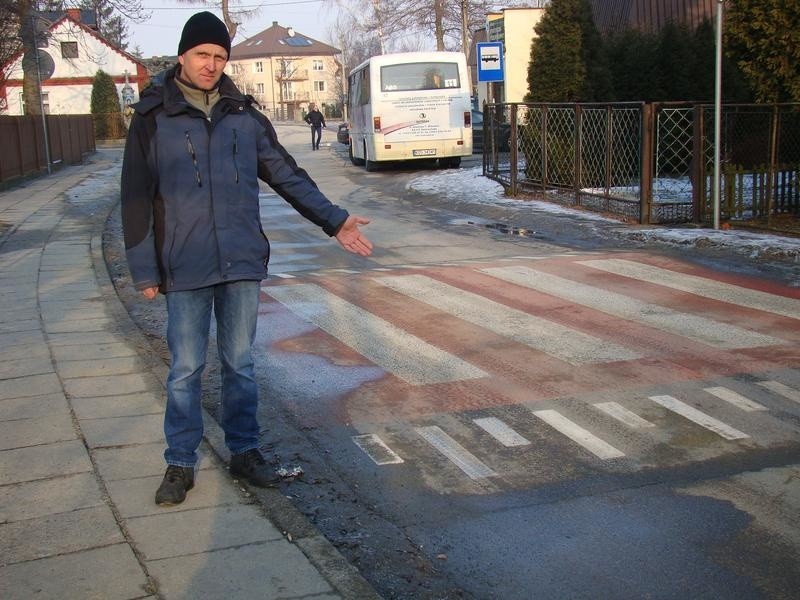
(491, 66)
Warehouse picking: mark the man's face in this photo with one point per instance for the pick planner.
(202, 65)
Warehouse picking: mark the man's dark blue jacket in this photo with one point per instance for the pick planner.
(190, 207)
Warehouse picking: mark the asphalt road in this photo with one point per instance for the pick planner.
(482, 413)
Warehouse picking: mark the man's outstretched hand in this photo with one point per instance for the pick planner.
(351, 238)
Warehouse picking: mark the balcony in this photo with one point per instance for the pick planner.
(296, 75)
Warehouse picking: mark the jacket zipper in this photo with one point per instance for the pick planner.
(193, 154)
(235, 152)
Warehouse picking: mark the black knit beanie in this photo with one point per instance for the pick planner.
(204, 28)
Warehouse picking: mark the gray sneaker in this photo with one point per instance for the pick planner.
(177, 481)
(252, 467)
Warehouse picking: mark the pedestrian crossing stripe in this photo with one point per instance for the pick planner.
(700, 286)
(699, 417)
(781, 389)
(374, 447)
(410, 358)
(697, 328)
(565, 343)
(455, 452)
(623, 415)
(501, 432)
(592, 443)
(735, 398)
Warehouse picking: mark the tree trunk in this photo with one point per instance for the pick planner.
(438, 16)
(31, 86)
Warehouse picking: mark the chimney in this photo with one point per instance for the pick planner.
(274, 23)
(74, 14)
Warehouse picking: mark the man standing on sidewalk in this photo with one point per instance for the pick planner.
(190, 212)
(317, 121)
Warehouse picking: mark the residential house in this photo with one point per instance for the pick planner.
(74, 53)
(285, 71)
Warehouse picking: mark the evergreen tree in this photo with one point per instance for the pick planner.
(632, 58)
(675, 63)
(763, 37)
(105, 107)
(557, 72)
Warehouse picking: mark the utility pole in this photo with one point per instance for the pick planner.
(465, 39)
(717, 112)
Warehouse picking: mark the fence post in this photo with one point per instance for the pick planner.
(773, 156)
(513, 149)
(576, 179)
(698, 169)
(646, 183)
(543, 142)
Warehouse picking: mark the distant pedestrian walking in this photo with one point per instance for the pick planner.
(190, 212)
(317, 121)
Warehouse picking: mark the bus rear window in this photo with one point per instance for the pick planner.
(419, 76)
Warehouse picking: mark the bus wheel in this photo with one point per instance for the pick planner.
(356, 161)
(453, 162)
(370, 165)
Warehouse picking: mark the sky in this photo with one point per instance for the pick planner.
(159, 35)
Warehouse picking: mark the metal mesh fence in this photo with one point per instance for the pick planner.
(648, 162)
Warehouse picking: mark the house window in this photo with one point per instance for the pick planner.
(259, 88)
(318, 65)
(235, 69)
(69, 49)
(258, 67)
(45, 103)
(319, 86)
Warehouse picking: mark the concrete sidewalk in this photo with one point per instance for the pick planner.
(81, 438)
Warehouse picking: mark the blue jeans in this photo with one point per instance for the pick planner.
(316, 135)
(235, 308)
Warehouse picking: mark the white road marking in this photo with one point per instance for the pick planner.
(622, 414)
(454, 451)
(408, 357)
(374, 447)
(501, 432)
(283, 275)
(699, 417)
(700, 329)
(578, 434)
(781, 389)
(742, 402)
(569, 345)
(700, 286)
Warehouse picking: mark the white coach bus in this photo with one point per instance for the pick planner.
(410, 106)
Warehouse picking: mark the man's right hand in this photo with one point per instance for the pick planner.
(150, 292)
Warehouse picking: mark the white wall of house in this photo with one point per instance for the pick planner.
(69, 89)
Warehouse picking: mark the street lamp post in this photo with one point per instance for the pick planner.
(717, 111)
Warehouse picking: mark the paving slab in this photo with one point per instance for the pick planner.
(10, 369)
(82, 339)
(58, 534)
(39, 462)
(93, 351)
(128, 405)
(123, 431)
(111, 385)
(178, 533)
(31, 432)
(55, 495)
(21, 338)
(110, 572)
(135, 497)
(20, 324)
(70, 326)
(144, 460)
(230, 574)
(124, 365)
(37, 350)
(33, 407)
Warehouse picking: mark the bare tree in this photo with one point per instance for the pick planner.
(233, 12)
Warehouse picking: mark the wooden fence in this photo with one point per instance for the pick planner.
(22, 146)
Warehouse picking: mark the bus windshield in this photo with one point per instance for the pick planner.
(419, 76)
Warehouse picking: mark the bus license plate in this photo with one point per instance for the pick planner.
(429, 152)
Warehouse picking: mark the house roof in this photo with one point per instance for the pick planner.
(281, 41)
